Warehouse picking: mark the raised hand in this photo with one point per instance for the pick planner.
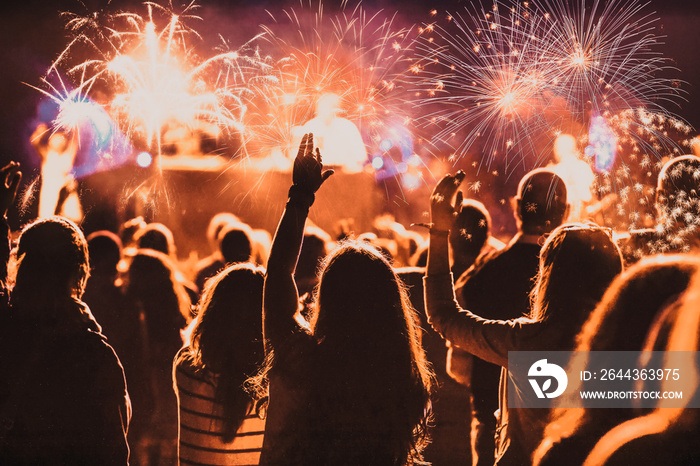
(308, 173)
(10, 176)
(446, 202)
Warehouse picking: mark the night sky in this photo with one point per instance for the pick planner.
(32, 35)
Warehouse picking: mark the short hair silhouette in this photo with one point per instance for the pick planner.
(678, 181)
(129, 229)
(541, 201)
(236, 243)
(156, 236)
(105, 250)
(471, 228)
(218, 223)
(679, 176)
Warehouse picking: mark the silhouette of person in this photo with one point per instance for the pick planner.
(314, 248)
(471, 236)
(57, 150)
(158, 237)
(620, 322)
(235, 245)
(223, 348)
(498, 287)
(64, 398)
(577, 263)
(164, 310)
(677, 208)
(667, 435)
(351, 386)
(105, 296)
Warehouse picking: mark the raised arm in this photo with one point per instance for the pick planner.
(445, 205)
(10, 176)
(487, 339)
(280, 295)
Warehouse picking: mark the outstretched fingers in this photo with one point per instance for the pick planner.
(11, 176)
(304, 146)
(442, 210)
(447, 187)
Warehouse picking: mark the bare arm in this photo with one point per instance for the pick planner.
(280, 295)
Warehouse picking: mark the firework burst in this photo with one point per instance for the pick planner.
(149, 75)
(351, 53)
(507, 80)
(604, 56)
(483, 72)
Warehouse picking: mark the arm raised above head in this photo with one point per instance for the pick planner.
(10, 176)
(490, 340)
(445, 205)
(280, 295)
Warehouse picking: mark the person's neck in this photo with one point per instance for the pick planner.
(527, 238)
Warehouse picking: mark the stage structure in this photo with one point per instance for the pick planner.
(185, 196)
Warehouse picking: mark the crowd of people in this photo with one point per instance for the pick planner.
(372, 348)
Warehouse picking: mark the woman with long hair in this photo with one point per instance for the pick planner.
(350, 386)
(223, 348)
(163, 306)
(619, 323)
(667, 435)
(577, 264)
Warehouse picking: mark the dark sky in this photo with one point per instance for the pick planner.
(32, 35)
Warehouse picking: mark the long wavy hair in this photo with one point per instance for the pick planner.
(620, 323)
(577, 264)
(153, 284)
(671, 422)
(371, 373)
(225, 339)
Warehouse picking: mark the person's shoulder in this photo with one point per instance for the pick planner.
(183, 363)
(103, 363)
(99, 347)
(636, 244)
(411, 275)
(483, 264)
(206, 262)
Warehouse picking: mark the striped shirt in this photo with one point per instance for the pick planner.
(200, 417)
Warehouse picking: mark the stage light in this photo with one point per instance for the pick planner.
(144, 160)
